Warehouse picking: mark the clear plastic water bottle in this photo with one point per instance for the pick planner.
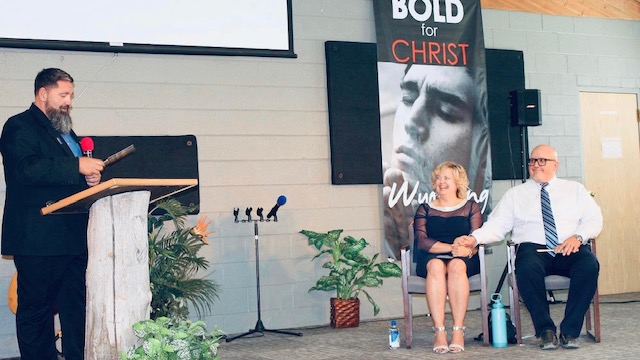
(498, 322)
(394, 336)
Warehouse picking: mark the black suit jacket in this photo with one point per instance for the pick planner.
(39, 168)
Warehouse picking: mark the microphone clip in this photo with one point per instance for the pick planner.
(273, 213)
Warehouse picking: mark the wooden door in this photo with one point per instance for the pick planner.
(612, 171)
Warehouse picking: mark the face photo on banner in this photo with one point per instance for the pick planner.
(432, 105)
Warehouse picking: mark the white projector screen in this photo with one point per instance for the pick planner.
(204, 27)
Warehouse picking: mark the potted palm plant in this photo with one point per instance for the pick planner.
(174, 262)
(350, 272)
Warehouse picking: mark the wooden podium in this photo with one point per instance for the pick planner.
(118, 292)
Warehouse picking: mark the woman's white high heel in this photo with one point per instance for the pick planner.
(440, 349)
(457, 347)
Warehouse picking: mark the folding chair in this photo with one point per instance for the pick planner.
(415, 285)
(552, 282)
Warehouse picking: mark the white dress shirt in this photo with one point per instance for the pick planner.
(519, 211)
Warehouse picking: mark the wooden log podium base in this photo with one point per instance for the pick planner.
(118, 289)
(118, 293)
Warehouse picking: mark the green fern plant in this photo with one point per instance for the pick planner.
(174, 262)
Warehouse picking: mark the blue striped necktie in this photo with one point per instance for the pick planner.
(547, 218)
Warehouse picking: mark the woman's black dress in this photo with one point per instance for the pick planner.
(432, 224)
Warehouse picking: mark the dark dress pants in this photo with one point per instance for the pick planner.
(531, 268)
(45, 282)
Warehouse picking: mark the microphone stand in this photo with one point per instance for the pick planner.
(524, 150)
(259, 328)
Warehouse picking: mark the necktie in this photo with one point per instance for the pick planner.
(547, 218)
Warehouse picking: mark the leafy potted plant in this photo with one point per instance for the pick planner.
(350, 271)
(164, 338)
(174, 261)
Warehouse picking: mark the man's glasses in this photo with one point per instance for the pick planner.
(540, 161)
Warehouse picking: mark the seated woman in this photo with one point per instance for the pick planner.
(447, 267)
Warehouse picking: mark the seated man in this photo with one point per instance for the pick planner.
(551, 220)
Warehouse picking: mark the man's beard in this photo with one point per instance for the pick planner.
(61, 120)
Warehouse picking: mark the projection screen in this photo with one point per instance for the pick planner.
(202, 27)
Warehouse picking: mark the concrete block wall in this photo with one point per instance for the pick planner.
(262, 131)
(562, 57)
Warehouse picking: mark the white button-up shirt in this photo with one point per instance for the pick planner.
(574, 210)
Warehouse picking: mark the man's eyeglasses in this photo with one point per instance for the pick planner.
(540, 161)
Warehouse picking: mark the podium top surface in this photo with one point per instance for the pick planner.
(82, 201)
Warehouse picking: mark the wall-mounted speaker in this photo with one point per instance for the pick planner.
(505, 73)
(525, 107)
(354, 113)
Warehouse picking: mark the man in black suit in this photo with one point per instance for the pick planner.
(43, 163)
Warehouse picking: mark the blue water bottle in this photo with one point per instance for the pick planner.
(394, 336)
(498, 322)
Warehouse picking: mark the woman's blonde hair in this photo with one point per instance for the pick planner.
(459, 176)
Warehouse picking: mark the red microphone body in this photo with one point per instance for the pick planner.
(86, 144)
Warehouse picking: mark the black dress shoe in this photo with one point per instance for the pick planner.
(548, 340)
(569, 342)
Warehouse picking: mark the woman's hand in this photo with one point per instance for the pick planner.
(458, 250)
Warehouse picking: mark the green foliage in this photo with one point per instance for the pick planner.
(350, 271)
(164, 339)
(174, 261)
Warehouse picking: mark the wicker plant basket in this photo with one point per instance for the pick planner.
(345, 313)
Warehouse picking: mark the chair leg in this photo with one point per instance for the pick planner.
(593, 329)
(407, 298)
(516, 314)
(485, 324)
(587, 320)
(483, 296)
(514, 295)
(596, 305)
(408, 320)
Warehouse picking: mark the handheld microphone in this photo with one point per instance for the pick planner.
(86, 144)
(273, 213)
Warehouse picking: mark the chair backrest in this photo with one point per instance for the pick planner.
(412, 264)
